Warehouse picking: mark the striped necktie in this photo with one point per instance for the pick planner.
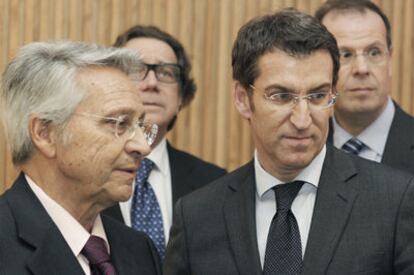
(353, 146)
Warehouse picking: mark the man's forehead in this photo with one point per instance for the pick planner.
(355, 25)
(315, 67)
(108, 88)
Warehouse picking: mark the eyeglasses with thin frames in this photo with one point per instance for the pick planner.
(164, 72)
(125, 127)
(287, 101)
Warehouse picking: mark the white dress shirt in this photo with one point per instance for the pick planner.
(302, 206)
(160, 180)
(374, 136)
(72, 231)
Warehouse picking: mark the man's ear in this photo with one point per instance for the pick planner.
(241, 100)
(43, 136)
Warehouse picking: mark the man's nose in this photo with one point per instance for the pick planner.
(150, 81)
(360, 65)
(300, 116)
(138, 145)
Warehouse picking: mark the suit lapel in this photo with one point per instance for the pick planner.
(334, 200)
(180, 173)
(123, 260)
(239, 214)
(51, 254)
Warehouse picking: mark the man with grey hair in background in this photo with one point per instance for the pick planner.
(76, 130)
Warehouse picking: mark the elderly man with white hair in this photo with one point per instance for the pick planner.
(77, 131)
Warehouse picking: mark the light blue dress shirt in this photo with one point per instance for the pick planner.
(374, 136)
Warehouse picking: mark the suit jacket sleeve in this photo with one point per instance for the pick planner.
(176, 260)
(404, 251)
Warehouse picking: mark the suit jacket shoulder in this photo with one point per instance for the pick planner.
(399, 148)
(192, 164)
(189, 173)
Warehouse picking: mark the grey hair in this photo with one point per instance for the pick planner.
(41, 80)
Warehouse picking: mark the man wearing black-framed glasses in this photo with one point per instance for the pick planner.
(165, 86)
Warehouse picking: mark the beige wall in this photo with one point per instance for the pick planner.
(210, 127)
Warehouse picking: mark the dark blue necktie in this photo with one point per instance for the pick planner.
(284, 249)
(353, 146)
(145, 211)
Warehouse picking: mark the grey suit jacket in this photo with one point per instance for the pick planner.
(30, 243)
(363, 223)
(399, 148)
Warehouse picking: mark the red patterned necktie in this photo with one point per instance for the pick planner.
(98, 257)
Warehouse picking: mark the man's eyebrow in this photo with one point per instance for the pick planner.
(322, 86)
(375, 43)
(278, 86)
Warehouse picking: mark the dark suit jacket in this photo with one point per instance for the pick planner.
(399, 148)
(30, 242)
(363, 223)
(188, 173)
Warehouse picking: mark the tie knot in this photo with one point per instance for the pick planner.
(353, 146)
(144, 170)
(95, 251)
(286, 193)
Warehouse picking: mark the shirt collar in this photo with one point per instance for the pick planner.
(72, 231)
(310, 174)
(159, 156)
(374, 136)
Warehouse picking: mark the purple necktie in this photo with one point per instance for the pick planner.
(98, 257)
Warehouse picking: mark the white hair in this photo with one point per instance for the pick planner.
(41, 80)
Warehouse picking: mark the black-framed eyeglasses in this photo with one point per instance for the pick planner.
(164, 72)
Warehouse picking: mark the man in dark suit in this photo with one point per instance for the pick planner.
(74, 126)
(365, 114)
(301, 206)
(165, 88)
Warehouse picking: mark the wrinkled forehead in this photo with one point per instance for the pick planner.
(108, 89)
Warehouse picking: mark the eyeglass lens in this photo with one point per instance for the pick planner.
(167, 73)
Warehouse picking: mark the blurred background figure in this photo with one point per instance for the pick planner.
(367, 122)
(165, 86)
